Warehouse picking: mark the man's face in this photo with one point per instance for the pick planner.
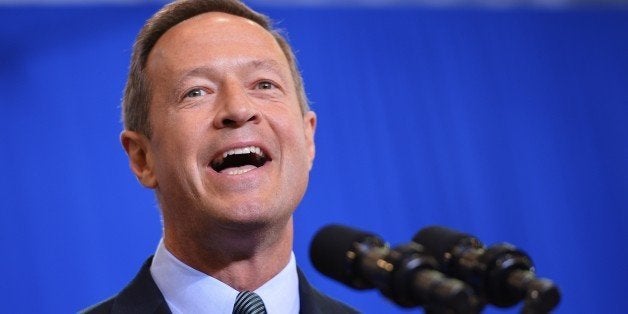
(229, 144)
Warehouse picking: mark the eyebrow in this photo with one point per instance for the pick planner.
(266, 64)
(209, 71)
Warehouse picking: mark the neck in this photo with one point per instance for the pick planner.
(244, 259)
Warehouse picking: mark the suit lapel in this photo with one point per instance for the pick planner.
(314, 302)
(307, 296)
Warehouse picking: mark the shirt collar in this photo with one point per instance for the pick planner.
(188, 290)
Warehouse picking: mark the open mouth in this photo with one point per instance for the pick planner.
(239, 160)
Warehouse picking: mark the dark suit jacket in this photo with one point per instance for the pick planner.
(141, 295)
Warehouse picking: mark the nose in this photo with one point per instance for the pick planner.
(235, 108)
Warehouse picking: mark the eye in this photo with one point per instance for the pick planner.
(265, 85)
(197, 92)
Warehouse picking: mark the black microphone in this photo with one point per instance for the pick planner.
(405, 274)
(501, 274)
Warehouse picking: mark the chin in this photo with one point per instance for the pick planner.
(252, 219)
(245, 217)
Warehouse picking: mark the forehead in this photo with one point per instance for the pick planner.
(213, 38)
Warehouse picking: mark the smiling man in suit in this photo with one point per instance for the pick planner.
(218, 124)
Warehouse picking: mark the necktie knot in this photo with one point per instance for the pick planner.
(248, 303)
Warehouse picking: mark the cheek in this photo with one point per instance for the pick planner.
(292, 135)
(177, 144)
(287, 120)
(180, 127)
(298, 149)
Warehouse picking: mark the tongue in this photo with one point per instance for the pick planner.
(238, 170)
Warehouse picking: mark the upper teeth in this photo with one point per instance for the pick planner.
(243, 150)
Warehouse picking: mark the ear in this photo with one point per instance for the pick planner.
(137, 147)
(309, 124)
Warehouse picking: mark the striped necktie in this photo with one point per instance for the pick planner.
(248, 303)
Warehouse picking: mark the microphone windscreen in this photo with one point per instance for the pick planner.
(329, 249)
(439, 240)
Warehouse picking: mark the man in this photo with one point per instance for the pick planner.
(217, 123)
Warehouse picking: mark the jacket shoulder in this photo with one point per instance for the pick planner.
(100, 308)
(141, 295)
(328, 305)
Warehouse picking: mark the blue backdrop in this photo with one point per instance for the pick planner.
(511, 125)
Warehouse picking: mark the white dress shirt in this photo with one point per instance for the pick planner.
(188, 290)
